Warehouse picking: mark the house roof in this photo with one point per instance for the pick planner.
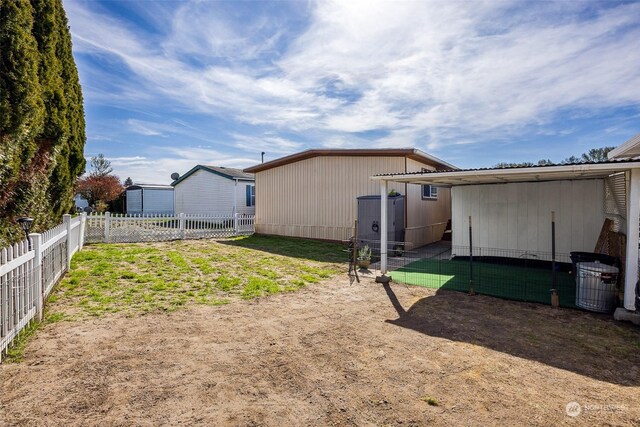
(225, 172)
(572, 171)
(411, 153)
(630, 149)
(149, 186)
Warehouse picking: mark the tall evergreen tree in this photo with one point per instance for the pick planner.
(42, 131)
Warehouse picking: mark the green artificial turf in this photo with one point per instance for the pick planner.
(504, 281)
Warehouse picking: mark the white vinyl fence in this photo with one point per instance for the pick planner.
(28, 272)
(116, 228)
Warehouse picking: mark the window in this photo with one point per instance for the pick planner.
(251, 195)
(429, 192)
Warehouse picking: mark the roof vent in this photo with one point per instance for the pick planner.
(175, 176)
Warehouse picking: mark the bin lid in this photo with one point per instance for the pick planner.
(597, 267)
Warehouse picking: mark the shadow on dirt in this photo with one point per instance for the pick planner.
(584, 343)
(293, 247)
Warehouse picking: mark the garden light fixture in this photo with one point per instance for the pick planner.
(26, 223)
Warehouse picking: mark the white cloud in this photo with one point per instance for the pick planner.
(424, 73)
(157, 168)
(143, 128)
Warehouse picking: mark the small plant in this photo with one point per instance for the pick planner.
(364, 256)
(393, 193)
(431, 401)
(364, 253)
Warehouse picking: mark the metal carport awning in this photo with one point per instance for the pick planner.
(450, 178)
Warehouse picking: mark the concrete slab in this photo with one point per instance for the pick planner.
(622, 314)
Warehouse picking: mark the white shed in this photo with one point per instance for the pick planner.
(215, 189)
(149, 199)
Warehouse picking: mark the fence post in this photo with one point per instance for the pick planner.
(66, 218)
(107, 217)
(36, 244)
(235, 224)
(182, 226)
(83, 228)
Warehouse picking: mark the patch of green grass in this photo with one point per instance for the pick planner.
(144, 277)
(204, 265)
(259, 286)
(178, 260)
(310, 278)
(226, 283)
(15, 352)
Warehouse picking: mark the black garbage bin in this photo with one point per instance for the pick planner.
(577, 257)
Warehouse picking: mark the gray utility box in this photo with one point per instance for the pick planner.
(369, 222)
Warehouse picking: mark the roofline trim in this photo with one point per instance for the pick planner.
(412, 153)
(208, 169)
(536, 170)
(620, 150)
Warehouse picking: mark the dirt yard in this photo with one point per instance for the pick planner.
(331, 354)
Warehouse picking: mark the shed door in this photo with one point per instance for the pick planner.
(134, 201)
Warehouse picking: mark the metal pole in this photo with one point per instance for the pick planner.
(472, 290)
(555, 302)
(383, 227)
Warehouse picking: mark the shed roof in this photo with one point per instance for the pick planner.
(149, 187)
(570, 171)
(411, 153)
(225, 172)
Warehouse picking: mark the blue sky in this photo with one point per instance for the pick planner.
(168, 85)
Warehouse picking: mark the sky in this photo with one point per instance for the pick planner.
(168, 85)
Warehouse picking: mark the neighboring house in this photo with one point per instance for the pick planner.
(313, 194)
(80, 202)
(149, 199)
(214, 189)
(511, 208)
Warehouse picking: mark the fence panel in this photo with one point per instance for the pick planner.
(142, 228)
(94, 228)
(118, 228)
(17, 291)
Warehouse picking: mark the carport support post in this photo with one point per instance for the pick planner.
(472, 290)
(633, 237)
(383, 227)
(555, 300)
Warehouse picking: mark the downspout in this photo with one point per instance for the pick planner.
(235, 196)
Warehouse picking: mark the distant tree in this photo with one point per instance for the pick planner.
(128, 182)
(593, 155)
(99, 189)
(597, 154)
(542, 162)
(100, 166)
(572, 159)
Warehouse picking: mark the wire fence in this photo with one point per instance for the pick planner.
(589, 283)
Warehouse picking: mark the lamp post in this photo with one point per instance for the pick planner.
(25, 223)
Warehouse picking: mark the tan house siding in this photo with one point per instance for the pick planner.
(426, 219)
(316, 197)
